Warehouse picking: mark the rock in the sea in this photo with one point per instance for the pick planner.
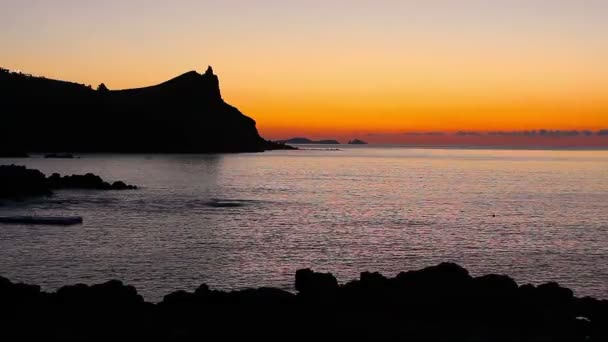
(42, 220)
(59, 156)
(19, 182)
(120, 185)
(87, 181)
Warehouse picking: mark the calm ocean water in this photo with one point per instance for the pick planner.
(235, 221)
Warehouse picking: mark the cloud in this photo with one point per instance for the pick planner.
(551, 133)
(411, 134)
(558, 133)
(545, 133)
(514, 133)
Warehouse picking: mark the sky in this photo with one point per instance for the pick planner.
(338, 69)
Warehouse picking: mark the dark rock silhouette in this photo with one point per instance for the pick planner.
(309, 283)
(59, 156)
(441, 303)
(87, 181)
(19, 182)
(183, 115)
(357, 142)
(42, 220)
(305, 141)
(13, 155)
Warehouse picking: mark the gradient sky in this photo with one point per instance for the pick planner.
(329, 69)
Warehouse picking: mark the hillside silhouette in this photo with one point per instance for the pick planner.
(183, 115)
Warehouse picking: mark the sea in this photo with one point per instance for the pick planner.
(235, 221)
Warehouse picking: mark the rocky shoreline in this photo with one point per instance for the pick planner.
(19, 182)
(440, 303)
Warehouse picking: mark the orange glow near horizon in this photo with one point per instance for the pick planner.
(335, 69)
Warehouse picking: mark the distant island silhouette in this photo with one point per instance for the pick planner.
(183, 115)
(305, 141)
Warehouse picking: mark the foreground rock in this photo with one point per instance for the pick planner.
(19, 182)
(441, 303)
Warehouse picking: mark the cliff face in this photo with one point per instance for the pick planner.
(184, 115)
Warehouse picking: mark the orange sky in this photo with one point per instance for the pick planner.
(338, 69)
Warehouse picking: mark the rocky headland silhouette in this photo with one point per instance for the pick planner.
(183, 115)
(440, 303)
(19, 182)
